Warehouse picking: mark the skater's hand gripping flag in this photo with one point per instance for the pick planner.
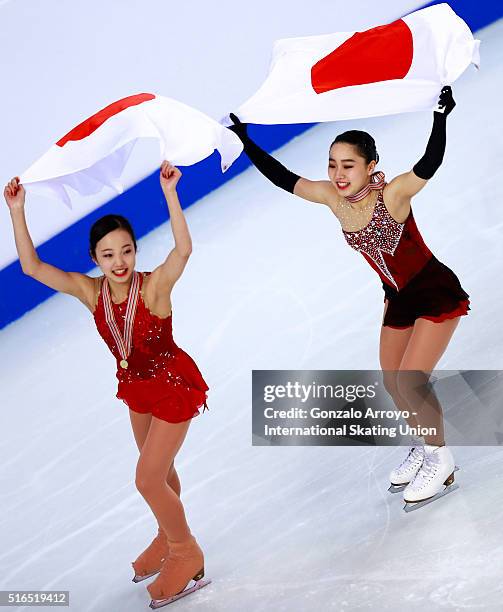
(95, 152)
(393, 68)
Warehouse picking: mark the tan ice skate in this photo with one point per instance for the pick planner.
(184, 564)
(150, 561)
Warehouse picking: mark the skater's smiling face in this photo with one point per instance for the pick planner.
(115, 254)
(348, 170)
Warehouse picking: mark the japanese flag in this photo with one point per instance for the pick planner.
(393, 68)
(95, 152)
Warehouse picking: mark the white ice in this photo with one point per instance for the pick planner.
(271, 284)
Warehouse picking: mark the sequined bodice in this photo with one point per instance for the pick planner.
(395, 250)
(153, 347)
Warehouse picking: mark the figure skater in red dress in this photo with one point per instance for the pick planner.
(423, 297)
(159, 382)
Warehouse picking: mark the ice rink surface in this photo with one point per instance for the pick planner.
(271, 285)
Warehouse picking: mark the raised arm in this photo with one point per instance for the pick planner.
(321, 192)
(404, 186)
(73, 283)
(163, 278)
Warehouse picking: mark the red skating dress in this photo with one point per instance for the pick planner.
(415, 282)
(161, 378)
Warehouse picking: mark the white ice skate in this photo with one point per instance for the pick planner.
(434, 479)
(406, 471)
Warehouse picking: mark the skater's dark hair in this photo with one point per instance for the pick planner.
(104, 226)
(363, 141)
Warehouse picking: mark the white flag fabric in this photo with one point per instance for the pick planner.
(393, 68)
(95, 152)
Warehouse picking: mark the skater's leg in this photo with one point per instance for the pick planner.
(185, 559)
(427, 344)
(141, 424)
(392, 346)
(424, 349)
(173, 480)
(151, 558)
(156, 458)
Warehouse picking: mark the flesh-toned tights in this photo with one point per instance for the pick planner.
(156, 479)
(417, 348)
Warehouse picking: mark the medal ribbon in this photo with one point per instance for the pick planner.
(123, 343)
(376, 182)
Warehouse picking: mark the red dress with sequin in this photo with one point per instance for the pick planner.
(415, 282)
(161, 378)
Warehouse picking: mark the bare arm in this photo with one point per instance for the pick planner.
(73, 283)
(164, 277)
(400, 190)
(320, 192)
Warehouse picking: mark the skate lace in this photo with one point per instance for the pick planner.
(413, 456)
(427, 470)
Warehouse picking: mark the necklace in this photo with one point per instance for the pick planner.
(351, 218)
(359, 209)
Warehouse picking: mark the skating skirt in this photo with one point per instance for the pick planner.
(434, 293)
(173, 396)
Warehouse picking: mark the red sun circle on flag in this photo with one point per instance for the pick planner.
(379, 54)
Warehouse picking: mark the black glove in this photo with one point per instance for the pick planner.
(240, 129)
(265, 163)
(435, 149)
(446, 100)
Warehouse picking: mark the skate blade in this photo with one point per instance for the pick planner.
(196, 585)
(411, 506)
(450, 487)
(138, 578)
(397, 488)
